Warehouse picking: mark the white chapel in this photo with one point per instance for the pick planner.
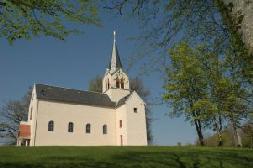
(68, 117)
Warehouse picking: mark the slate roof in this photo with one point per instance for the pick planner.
(115, 62)
(115, 55)
(46, 92)
(123, 100)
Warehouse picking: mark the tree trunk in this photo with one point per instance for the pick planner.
(219, 129)
(201, 139)
(236, 136)
(220, 141)
(199, 132)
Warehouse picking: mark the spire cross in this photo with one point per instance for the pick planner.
(114, 36)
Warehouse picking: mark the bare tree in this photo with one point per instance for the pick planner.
(11, 113)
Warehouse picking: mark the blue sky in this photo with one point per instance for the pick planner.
(74, 62)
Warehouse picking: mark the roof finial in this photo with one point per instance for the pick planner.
(115, 60)
(114, 36)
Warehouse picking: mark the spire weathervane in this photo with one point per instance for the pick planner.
(115, 62)
(114, 36)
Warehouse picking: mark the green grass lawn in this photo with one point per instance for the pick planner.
(116, 157)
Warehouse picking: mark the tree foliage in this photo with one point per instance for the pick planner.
(186, 87)
(11, 113)
(201, 86)
(247, 135)
(95, 84)
(23, 19)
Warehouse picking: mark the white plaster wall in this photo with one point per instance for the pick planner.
(121, 115)
(33, 109)
(133, 124)
(136, 122)
(80, 115)
(104, 81)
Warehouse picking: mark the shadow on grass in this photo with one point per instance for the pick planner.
(194, 159)
(138, 159)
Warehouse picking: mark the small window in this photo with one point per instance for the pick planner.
(122, 83)
(43, 92)
(135, 110)
(104, 129)
(108, 84)
(117, 82)
(50, 125)
(71, 127)
(120, 123)
(87, 128)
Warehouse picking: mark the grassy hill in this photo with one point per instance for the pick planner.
(125, 157)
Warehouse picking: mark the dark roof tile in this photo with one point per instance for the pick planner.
(123, 100)
(53, 93)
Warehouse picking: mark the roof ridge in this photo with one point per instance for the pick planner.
(123, 100)
(54, 93)
(68, 88)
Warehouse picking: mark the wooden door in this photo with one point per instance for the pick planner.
(121, 140)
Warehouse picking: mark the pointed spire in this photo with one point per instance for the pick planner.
(115, 59)
(114, 37)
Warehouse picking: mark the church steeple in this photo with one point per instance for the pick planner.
(115, 62)
(115, 81)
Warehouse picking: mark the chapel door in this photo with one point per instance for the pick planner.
(121, 140)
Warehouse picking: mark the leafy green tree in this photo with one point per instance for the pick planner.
(11, 113)
(219, 89)
(23, 19)
(227, 139)
(247, 135)
(238, 102)
(213, 70)
(186, 87)
(235, 110)
(137, 85)
(231, 106)
(219, 94)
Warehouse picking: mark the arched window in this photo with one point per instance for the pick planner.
(117, 82)
(108, 84)
(71, 127)
(87, 128)
(50, 125)
(120, 123)
(122, 83)
(104, 129)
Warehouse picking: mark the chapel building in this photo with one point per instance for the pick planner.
(68, 117)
